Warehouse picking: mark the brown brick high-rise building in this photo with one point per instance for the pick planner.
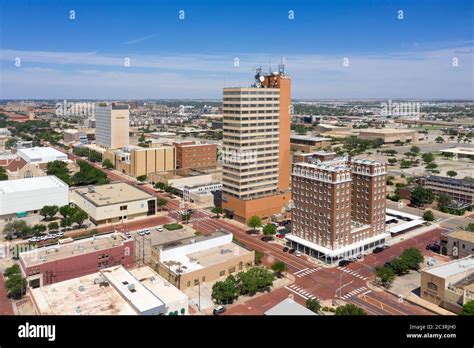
(339, 208)
(256, 147)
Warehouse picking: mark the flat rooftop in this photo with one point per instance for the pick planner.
(30, 184)
(463, 235)
(37, 154)
(158, 285)
(112, 291)
(80, 296)
(460, 151)
(79, 247)
(205, 258)
(386, 131)
(452, 268)
(308, 137)
(112, 194)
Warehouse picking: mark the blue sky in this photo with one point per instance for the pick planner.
(194, 57)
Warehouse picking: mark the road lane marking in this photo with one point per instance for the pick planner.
(300, 271)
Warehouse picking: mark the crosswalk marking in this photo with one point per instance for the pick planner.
(352, 272)
(301, 270)
(301, 292)
(306, 272)
(355, 292)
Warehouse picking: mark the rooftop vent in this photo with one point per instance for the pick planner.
(131, 287)
(81, 288)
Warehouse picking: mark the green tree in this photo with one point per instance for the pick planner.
(142, 178)
(3, 174)
(269, 230)
(350, 309)
(10, 143)
(431, 166)
(160, 185)
(60, 170)
(161, 203)
(224, 292)
(107, 164)
(186, 216)
(470, 227)
(439, 139)
(428, 215)
(451, 173)
(384, 275)
(142, 138)
(443, 201)
(313, 305)
(468, 308)
(217, 211)
(38, 229)
(15, 285)
(392, 160)
(258, 257)
(415, 150)
(428, 157)
(400, 265)
(53, 226)
(279, 267)
(79, 216)
(49, 211)
(95, 156)
(15, 228)
(89, 175)
(412, 257)
(15, 269)
(254, 280)
(254, 222)
(421, 196)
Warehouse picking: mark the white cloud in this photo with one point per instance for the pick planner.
(409, 74)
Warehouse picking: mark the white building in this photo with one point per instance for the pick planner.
(41, 155)
(32, 194)
(191, 193)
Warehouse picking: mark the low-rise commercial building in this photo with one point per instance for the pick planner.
(289, 307)
(194, 260)
(458, 244)
(39, 155)
(460, 152)
(190, 154)
(137, 161)
(21, 196)
(181, 178)
(113, 202)
(70, 259)
(74, 136)
(111, 291)
(198, 193)
(307, 143)
(458, 190)
(449, 285)
(389, 136)
(314, 157)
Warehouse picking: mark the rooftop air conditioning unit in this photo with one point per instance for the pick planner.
(131, 287)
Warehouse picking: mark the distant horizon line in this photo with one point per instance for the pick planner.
(220, 99)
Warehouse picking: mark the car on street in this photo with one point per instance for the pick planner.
(218, 310)
(285, 249)
(146, 231)
(297, 253)
(159, 228)
(433, 247)
(292, 251)
(128, 235)
(377, 250)
(344, 263)
(141, 233)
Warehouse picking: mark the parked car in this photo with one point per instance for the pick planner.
(387, 264)
(385, 247)
(433, 247)
(159, 228)
(218, 310)
(297, 253)
(377, 250)
(141, 233)
(128, 235)
(292, 251)
(146, 231)
(344, 263)
(285, 249)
